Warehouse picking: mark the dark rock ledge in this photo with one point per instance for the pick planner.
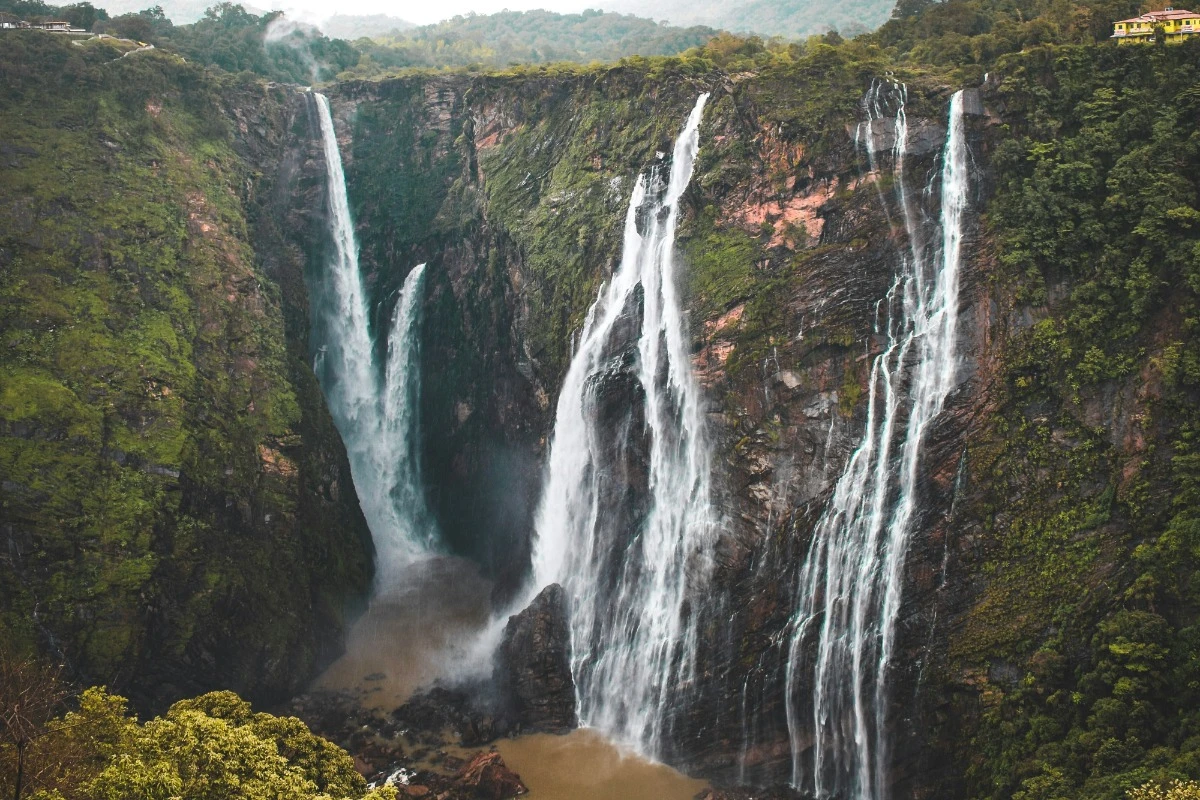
(419, 746)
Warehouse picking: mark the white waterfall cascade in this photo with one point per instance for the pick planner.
(849, 590)
(375, 413)
(633, 633)
(396, 452)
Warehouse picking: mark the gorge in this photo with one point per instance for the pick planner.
(851, 404)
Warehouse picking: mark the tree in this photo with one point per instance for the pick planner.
(213, 747)
(31, 692)
(1176, 790)
(83, 15)
(906, 9)
(148, 25)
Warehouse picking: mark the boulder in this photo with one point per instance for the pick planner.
(487, 776)
(533, 665)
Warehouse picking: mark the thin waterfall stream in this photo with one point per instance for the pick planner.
(425, 607)
(626, 520)
(849, 587)
(374, 406)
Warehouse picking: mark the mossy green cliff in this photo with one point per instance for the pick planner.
(176, 506)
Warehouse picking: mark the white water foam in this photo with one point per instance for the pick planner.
(375, 410)
(849, 590)
(633, 632)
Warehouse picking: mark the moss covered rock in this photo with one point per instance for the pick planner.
(176, 505)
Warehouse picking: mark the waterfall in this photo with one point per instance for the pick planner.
(375, 410)
(349, 381)
(396, 450)
(626, 520)
(843, 632)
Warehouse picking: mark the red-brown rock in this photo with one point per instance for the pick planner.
(489, 778)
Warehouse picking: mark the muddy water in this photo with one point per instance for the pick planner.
(425, 629)
(583, 765)
(414, 634)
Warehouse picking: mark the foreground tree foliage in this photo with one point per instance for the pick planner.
(30, 694)
(213, 747)
(1176, 790)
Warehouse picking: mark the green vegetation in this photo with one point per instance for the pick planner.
(165, 459)
(800, 18)
(212, 747)
(1093, 522)
(529, 37)
(720, 266)
(1175, 790)
(977, 32)
(357, 26)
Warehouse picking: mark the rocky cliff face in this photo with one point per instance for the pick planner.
(789, 246)
(533, 664)
(176, 506)
(513, 187)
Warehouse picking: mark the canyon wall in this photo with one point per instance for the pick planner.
(1049, 473)
(1047, 643)
(176, 506)
(514, 189)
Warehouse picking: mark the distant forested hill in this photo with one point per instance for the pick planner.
(229, 36)
(355, 26)
(497, 40)
(799, 18)
(787, 18)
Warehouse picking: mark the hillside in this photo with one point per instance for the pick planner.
(356, 26)
(793, 19)
(170, 501)
(529, 37)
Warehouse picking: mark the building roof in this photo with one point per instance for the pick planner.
(1163, 16)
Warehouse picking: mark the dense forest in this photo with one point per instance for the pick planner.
(790, 19)
(530, 37)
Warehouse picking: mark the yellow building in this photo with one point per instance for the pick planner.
(1176, 25)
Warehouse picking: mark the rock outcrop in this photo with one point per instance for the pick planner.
(489, 779)
(533, 665)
